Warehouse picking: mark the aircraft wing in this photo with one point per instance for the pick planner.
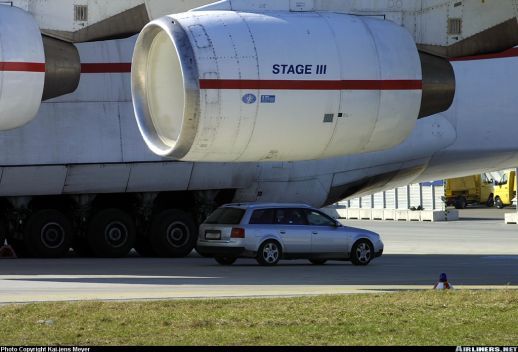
(447, 28)
(84, 21)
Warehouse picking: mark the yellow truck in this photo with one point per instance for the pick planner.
(462, 191)
(505, 189)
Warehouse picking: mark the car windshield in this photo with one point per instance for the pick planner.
(227, 216)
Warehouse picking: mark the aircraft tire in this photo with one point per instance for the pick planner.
(111, 233)
(47, 234)
(173, 233)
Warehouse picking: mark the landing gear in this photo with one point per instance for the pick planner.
(82, 247)
(47, 234)
(172, 233)
(111, 233)
(143, 247)
(3, 232)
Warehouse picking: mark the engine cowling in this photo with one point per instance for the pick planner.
(278, 86)
(32, 68)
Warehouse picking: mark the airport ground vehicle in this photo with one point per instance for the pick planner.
(505, 189)
(475, 189)
(270, 232)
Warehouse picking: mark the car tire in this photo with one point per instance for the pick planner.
(318, 261)
(225, 260)
(269, 253)
(362, 252)
(498, 203)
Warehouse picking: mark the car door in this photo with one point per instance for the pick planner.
(327, 239)
(292, 228)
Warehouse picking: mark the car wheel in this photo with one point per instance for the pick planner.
(498, 203)
(269, 253)
(226, 260)
(362, 253)
(318, 261)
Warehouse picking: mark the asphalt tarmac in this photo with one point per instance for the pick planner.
(477, 252)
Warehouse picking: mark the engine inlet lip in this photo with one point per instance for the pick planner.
(139, 82)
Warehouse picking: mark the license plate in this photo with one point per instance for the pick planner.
(212, 235)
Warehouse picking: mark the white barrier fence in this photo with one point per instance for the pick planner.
(426, 195)
(416, 202)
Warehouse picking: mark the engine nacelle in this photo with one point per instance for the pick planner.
(276, 86)
(31, 68)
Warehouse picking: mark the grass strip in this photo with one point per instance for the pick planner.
(461, 317)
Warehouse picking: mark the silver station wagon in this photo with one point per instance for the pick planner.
(270, 232)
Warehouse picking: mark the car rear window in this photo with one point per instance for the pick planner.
(226, 216)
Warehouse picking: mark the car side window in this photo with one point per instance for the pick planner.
(290, 217)
(317, 219)
(262, 216)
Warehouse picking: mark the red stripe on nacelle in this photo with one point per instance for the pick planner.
(122, 67)
(22, 67)
(311, 85)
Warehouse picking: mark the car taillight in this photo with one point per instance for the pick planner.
(237, 232)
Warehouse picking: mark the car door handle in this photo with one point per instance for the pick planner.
(315, 233)
(282, 232)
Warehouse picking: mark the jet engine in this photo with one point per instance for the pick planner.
(32, 68)
(280, 86)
